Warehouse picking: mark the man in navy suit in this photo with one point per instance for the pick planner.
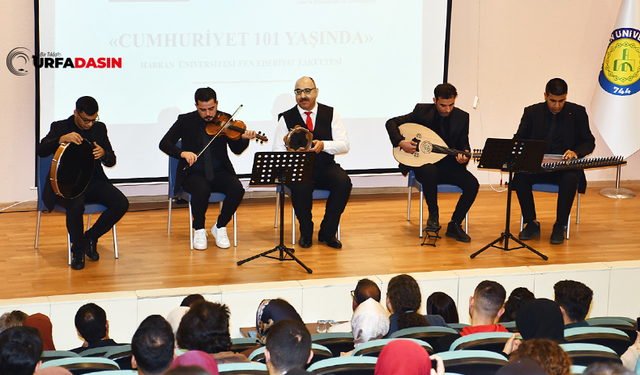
(452, 125)
(565, 127)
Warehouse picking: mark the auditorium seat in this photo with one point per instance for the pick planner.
(345, 366)
(374, 347)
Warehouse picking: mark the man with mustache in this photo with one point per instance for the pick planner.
(329, 139)
(212, 171)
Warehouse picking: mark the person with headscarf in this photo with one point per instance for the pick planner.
(196, 358)
(43, 324)
(405, 357)
(370, 321)
(537, 319)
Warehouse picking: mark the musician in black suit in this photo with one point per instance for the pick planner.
(565, 127)
(452, 125)
(212, 171)
(329, 139)
(85, 124)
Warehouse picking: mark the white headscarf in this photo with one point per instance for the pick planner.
(370, 321)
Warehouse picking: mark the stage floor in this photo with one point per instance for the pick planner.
(376, 237)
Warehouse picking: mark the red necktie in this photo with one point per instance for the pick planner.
(309, 122)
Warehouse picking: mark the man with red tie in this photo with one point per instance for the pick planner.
(329, 139)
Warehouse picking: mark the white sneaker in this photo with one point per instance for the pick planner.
(220, 234)
(200, 239)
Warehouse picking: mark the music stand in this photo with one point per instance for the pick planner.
(281, 168)
(512, 155)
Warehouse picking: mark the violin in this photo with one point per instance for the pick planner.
(232, 129)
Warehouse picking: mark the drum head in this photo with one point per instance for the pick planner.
(297, 138)
(75, 169)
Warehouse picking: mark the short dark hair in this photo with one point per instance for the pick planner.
(20, 350)
(405, 298)
(205, 327)
(204, 94)
(152, 345)
(91, 322)
(574, 297)
(607, 368)
(556, 86)
(445, 91)
(489, 297)
(289, 345)
(366, 289)
(191, 299)
(440, 303)
(87, 104)
(517, 298)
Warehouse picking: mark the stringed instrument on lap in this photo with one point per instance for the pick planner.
(430, 147)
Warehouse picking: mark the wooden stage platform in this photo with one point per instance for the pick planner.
(376, 237)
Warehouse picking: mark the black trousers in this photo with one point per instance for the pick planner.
(104, 193)
(200, 189)
(567, 182)
(430, 175)
(330, 177)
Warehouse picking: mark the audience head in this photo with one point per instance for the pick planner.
(607, 368)
(91, 323)
(403, 357)
(404, 299)
(547, 353)
(574, 299)
(175, 317)
(152, 346)
(522, 366)
(440, 303)
(197, 358)
(188, 370)
(486, 304)
(517, 298)
(270, 312)
(540, 319)
(205, 327)
(20, 351)
(369, 322)
(43, 324)
(14, 318)
(191, 299)
(288, 346)
(364, 290)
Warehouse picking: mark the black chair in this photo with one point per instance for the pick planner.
(586, 354)
(609, 337)
(337, 342)
(472, 362)
(83, 365)
(319, 353)
(491, 341)
(374, 347)
(430, 334)
(626, 325)
(240, 344)
(243, 368)
(345, 366)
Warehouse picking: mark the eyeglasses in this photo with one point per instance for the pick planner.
(89, 121)
(306, 91)
(353, 295)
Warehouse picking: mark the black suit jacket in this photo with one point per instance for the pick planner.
(187, 128)
(424, 114)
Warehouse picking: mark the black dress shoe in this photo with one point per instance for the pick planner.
(433, 222)
(454, 230)
(92, 253)
(77, 258)
(557, 236)
(531, 230)
(330, 241)
(305, 242)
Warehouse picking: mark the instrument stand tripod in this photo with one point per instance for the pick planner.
(518, 155)
(271, 168)
(431, 236)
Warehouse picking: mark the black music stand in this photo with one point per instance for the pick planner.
(512, 155)
(281, 168)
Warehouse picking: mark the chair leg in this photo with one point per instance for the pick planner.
(421, 208)
(190, 227)
(338, 231)
(521, 222)
(115, 241)
(409, 205)
(169, 217)
(235, 229)
(568, 225)
(578, 211)
(69, 246)
(293, 225)
(466, 222)
(37, 230)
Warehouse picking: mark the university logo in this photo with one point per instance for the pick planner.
(620, 74)
(18, 61)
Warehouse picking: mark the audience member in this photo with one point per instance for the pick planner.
(537, 319)
(288, 347)
(574, 299)
(364, 290)
(43, 324)
(14, 318)
(175, 316)
(270, 312)
(630, 357)
(197, 358)
(522, 366)
(607, 368)
(370, 321)
(440, 303)
(205, 327)
(517, 298)
(93, 327)
(547, 353)
(20, 351)
(152, 346)
(405, 357)
(485, 307)
(191, 300)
